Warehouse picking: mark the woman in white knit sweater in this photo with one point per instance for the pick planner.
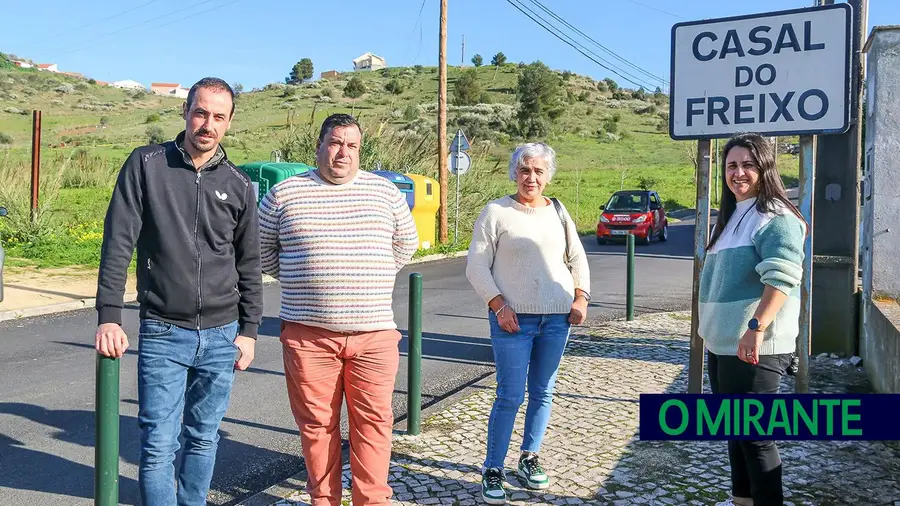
(527, 263)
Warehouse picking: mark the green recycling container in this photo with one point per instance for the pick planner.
(265, 175)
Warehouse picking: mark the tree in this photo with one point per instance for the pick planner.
(498, 60)
(467, 90)
(394, 86)
(302, 71)
(610, 84)
(540, 100)
(355, 88)
(238, 88)
(477, 60)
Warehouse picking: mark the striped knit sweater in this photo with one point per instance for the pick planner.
(755, 249)
(336, 249)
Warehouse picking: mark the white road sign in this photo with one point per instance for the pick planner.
(776, 73)
(459, 162)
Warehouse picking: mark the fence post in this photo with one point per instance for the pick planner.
(629, 288)
(106, 447)
(414, 358)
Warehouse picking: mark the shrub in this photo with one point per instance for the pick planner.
(152, 118)
(155, 134)
(411, 113)
(355, 88)
(394, 86)
(646, 183)
(5, 138)
(65, 89)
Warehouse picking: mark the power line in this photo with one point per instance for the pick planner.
(134, 26)
(601, 46)
(655, 9)
(608, 66)
(639, 81)
(81, 27)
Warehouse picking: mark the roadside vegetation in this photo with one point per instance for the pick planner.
(607, 138)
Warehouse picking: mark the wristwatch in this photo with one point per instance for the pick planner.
(755, 326)
(584, 294)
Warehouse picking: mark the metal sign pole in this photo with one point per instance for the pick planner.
(456, 225)
(807, 194)
(701, 238)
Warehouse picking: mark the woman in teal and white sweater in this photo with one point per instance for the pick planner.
(750, 301)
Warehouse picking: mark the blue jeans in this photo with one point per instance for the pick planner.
(181, 372)
(530, 355)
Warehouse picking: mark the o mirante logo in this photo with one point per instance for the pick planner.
(769, 416)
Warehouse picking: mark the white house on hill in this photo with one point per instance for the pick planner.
(128, 84)
(369, 61)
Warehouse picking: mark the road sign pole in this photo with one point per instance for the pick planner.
(414, 357)
(701, 237)
(807, 194)
(456, 225)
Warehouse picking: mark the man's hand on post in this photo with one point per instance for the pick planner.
(247, 346)
(111, 340)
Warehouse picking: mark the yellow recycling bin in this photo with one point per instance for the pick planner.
(424, 213)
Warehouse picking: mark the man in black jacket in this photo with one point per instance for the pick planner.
(193, 217)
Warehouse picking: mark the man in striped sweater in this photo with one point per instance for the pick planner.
(336, 238)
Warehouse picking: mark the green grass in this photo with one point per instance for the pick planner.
(80, 157)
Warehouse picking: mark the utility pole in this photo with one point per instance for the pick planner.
(462, 60)
(835, 227)
(443, 173)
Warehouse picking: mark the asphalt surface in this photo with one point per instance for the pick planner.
(47, 378)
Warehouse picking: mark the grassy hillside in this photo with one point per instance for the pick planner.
(605, 142)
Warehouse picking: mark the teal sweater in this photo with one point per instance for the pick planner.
(755, 249)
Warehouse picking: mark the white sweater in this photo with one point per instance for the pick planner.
(518, 252)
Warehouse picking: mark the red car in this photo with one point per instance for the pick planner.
(639, 212)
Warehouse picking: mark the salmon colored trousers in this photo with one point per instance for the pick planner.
(321, 367)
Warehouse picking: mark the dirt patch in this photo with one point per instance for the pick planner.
(28, 287)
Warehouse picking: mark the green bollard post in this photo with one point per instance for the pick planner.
(106, 447)
(414, 358)
(629, 290)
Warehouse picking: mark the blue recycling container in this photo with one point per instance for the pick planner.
(403, 182)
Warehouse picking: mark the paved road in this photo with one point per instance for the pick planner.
(47, 378)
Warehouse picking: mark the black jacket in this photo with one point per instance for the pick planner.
(197, 238)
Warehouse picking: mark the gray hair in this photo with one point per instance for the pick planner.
(532, 150)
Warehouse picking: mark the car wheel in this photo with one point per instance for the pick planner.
(601, 242)
(664, 234)
(649, 237)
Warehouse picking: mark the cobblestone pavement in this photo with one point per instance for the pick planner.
(592, 451)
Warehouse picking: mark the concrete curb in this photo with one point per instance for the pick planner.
(27, 312)
(439, 256)
(90, 302)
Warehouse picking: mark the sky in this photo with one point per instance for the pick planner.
(255, 42)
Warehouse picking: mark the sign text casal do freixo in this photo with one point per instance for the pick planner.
(779, 73)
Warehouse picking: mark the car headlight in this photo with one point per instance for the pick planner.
(640, 219)
(604, 219)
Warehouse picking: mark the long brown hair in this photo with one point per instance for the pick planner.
(771, 188)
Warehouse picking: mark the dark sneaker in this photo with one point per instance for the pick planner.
(532, 473)
(492, 490)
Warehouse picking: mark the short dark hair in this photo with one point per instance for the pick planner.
(211, 83)
(337, 120)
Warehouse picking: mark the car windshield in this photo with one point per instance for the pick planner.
(627, 202)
